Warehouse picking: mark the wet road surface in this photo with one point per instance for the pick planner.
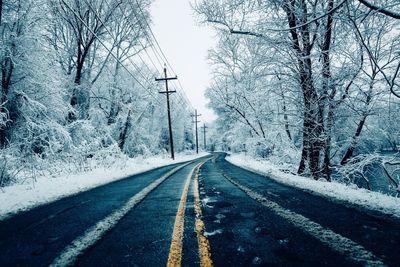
(206, 212)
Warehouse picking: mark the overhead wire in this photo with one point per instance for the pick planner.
(115, 57)
(108, 50)
(183, 99)
(115, 37)
(159, 48)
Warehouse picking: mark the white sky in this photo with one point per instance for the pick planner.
(185, 44)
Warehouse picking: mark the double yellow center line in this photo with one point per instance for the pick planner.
(175, 252)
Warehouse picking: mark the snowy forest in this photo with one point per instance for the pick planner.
(77, 84)
(311, 85)
(200, 133)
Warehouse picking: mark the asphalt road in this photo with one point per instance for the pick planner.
(202, 213)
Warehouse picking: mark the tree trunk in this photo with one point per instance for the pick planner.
(354, 142)
(73, 114)
(328, 140)
(286, 119)
(353, 145)
(306, 146)
(80, 96)
(114, 108)
(124, 132)
(326, 76)
(311, 135)
(7, 68)
(1, 11)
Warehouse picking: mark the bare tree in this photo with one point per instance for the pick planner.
(11, 32)
(80, 24)
(310, 41)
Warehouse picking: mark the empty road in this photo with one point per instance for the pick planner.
(206, 212)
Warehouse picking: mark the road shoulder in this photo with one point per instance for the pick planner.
(22, 197)
(372, 202)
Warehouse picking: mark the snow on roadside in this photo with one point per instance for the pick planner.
(371, 200)
(20, 197)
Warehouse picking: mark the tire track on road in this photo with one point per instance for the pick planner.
(337, 242)
(78, 246)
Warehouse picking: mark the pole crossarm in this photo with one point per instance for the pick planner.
(166, 79)
(167, 92)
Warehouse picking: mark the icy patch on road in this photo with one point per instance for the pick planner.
(20, 197)
(216, 232)
(334, 190)
(208, 200)
(219, 217)
(256, 261)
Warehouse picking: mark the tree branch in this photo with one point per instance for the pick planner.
(380, 9)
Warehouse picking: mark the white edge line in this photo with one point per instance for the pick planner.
(337, 242)
(366, 209)
(9, 214)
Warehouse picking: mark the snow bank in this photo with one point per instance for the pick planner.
(20, 197)
(333, 190)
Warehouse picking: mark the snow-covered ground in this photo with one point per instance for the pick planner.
(46, 189)
(371, 200)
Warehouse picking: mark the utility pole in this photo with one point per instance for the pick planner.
(167, 92)
(204, 136)
(195, 121)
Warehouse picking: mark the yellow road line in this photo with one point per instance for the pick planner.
(203, 243)
(175, 251)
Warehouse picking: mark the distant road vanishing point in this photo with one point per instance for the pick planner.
(205, 212)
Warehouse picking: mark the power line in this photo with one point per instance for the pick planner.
(102, 43)
(157, 44)
(119, 61)
(133, 26)
(137, 52)
(115, 38)
(155, 39)
(110, 50)
(181, 94)
(155, 52)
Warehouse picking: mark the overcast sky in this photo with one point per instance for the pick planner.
(185, 44)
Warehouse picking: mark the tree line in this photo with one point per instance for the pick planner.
(312, 83)
(77, 79)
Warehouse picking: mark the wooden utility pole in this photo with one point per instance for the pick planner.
(195, 121)
(204, 136)
(167, 92)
